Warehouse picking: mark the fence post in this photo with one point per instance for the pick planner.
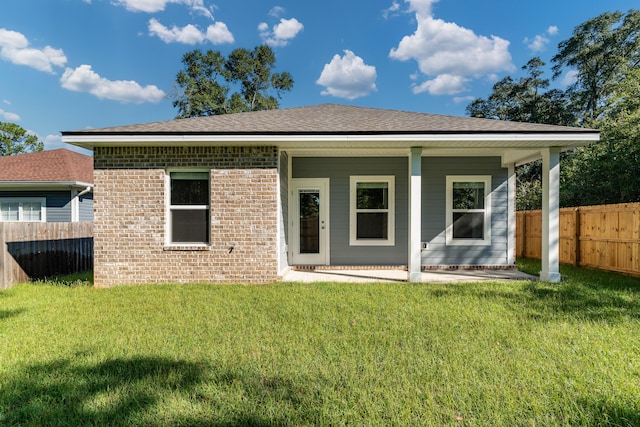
(525, 214)
(577, 234)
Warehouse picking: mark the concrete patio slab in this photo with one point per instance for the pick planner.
(433, 276)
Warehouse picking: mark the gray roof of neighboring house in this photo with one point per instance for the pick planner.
(328, 119)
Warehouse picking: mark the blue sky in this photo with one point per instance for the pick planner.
(75, 64)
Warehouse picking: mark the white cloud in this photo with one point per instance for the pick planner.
(217, 33)
(12, 39)
(186, 35)
(569, 78)
(421, 7)
(84, 79)
(14, 47)
(348, 77)
(6, 115)
(447, 54)
(282, 33)
(539, 42)
(443, 84)
(152, 6)
(391, 10)
(276, 11)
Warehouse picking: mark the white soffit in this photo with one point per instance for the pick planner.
(286, 141)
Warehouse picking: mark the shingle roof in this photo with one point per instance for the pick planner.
(328, 119)
(59, 165)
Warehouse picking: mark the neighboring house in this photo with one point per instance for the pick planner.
(243, 197)
(46, 186)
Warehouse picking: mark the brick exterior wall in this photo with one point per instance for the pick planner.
(131, 216)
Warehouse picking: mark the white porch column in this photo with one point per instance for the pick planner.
(550, 215)
(511, 214)
(415, 214)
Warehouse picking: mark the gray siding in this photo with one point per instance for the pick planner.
(284, 211)
(86, 207)
(434, 173)
(338, 170)
(58, 203)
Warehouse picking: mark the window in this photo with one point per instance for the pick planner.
(189, 196)
(22, 210)
(468, 210)
(372, 211)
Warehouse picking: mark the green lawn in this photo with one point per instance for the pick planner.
(480, 354)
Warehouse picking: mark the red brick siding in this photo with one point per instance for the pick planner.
(130, 216)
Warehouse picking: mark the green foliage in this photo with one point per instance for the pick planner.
(205, 84)
(604, 52)
(528, 191)
(600, 50)
(491, 353)
(15, 140)
(524, 100)
(609, 171)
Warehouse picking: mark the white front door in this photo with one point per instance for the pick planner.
(309, 219)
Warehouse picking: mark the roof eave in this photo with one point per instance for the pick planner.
(435, 139)
(45, 185)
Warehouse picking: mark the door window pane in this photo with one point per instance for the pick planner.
(309, 221)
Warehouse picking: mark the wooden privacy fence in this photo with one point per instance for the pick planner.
(605, 237)
(36, 250)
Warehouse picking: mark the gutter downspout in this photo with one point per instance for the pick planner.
(75, 214)
(85, 191)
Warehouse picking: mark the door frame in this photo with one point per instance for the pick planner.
(295, 257)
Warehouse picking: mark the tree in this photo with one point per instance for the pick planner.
(604, 52)
(598, 52)
(609, 171)
(525, 100)
(205, 83)
(15, 140)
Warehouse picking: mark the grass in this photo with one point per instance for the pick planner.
(475, 354)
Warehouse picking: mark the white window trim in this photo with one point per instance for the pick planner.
(353, 217)
(486, 241)
(168, 209)
(21, 200)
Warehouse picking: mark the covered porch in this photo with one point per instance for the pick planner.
(412, 214)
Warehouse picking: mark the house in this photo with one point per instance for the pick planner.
(46, 186)
(244, 197)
